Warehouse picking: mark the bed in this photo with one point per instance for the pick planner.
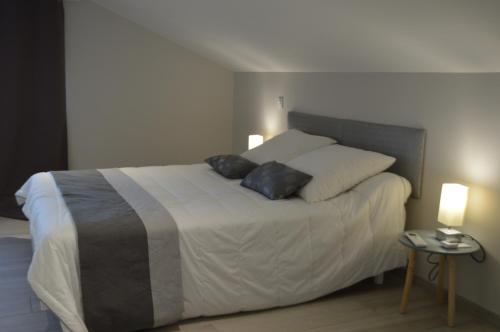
(238, 250)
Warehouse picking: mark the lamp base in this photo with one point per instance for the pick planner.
(449, 234)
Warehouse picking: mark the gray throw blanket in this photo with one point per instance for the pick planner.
(128, 245)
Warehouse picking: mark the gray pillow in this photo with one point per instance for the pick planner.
(231, 166)
(275, 180)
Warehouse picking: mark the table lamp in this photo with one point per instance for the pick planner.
(254, 141)
(452, 211)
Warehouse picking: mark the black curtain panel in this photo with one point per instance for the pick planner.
(32, 94)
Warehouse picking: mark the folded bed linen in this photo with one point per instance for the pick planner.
(238, 250)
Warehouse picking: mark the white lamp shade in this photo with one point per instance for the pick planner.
(254, 141)
(452, 205)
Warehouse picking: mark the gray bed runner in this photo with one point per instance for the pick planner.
(128, 246)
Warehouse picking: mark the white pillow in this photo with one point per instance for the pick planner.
(337, 168)
(286, 146)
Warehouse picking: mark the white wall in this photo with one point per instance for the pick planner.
(135, 98)
(461, 113)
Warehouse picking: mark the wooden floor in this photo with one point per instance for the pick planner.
(363, 307)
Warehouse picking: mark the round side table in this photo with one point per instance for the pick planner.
(445, 256)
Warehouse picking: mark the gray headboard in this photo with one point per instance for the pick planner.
(404, 143)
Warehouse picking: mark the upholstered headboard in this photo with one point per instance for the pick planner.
(404, 143)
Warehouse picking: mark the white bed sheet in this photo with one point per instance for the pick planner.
(239, 250)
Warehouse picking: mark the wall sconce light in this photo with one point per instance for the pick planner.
(281, 102)
(254, 141)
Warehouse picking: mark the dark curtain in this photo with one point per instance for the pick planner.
(32, 94)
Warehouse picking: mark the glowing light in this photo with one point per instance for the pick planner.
(453, 203)
(254, 141)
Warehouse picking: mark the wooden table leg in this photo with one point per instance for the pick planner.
(440, 279)
(410, 270)
(451, 290)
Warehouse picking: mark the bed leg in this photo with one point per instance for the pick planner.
(379, 279)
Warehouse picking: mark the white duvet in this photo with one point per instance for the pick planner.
(239, 250)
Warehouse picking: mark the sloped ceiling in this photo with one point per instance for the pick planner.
(329, 35)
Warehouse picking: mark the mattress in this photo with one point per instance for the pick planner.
(239, 250)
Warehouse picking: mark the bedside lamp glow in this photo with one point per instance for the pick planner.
(254, 141)
(452, 205)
